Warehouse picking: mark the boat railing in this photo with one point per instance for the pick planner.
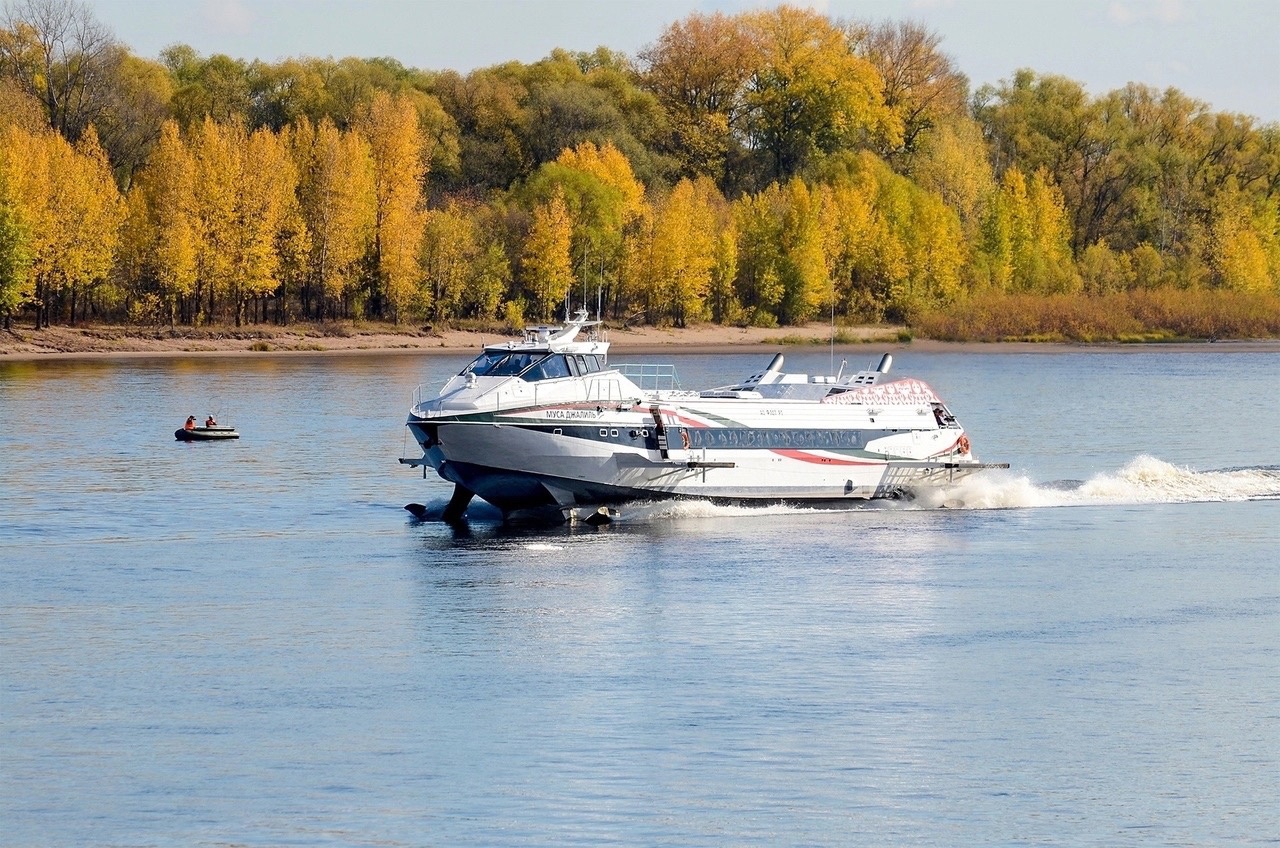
(651, 377)
(425, 390)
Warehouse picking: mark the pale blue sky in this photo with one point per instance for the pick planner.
(1226, 52)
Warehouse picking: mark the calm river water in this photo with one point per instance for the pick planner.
(252, 643)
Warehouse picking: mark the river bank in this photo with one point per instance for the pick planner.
(24, 343)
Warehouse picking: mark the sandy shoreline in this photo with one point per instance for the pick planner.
(105, 342)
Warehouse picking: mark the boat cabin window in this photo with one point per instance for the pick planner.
(528, 366)
(548, 369)
(500, 363)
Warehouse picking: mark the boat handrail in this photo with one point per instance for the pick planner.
(650, 376)
(429, 391)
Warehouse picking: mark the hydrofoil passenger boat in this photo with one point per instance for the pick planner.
(546, 421)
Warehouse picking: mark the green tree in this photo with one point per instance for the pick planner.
(136, 109)
(216, 87)
(487, 109)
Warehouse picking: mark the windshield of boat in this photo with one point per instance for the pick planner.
(501, 363)
(532, 366)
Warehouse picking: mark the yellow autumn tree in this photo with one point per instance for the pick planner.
(390, 125)
(29, 187)
(268, 183)
(1237, 250)
(449, 246)
(1051, 269)
(783, 273)
(1026, 237)
(672, 258)
(70, 212)
(758, 284)
(466, 270)
(849, 236)
(20, 109)
(805, 281)
(892, 247)
(722, 298)
(98, 211)
(951, 161)
(15, 238)
(545, 267)
(936, 252)
(216, 167)
(338, 206)
(612, 168)
(811, 93)
(604, 200)
(162, 223)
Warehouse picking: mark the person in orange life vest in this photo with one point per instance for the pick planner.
(191, 423)
(209, 422)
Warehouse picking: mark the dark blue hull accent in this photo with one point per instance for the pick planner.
(508, 490)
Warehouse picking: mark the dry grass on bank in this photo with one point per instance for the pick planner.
(1138, 316)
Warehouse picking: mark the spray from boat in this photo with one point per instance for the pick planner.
(1143, 480)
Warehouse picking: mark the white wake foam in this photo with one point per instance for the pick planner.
(1144, 480)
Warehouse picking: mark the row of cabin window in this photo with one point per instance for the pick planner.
(735, 437)
(742, 437)
(532, 367)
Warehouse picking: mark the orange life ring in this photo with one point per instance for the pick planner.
(684, 437)
(963, 444)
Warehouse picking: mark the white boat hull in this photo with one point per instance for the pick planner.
(546, 422)
(519, 465)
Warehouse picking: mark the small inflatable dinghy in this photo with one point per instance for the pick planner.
(205, 434)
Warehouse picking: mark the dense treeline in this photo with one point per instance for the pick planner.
(767, 167)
